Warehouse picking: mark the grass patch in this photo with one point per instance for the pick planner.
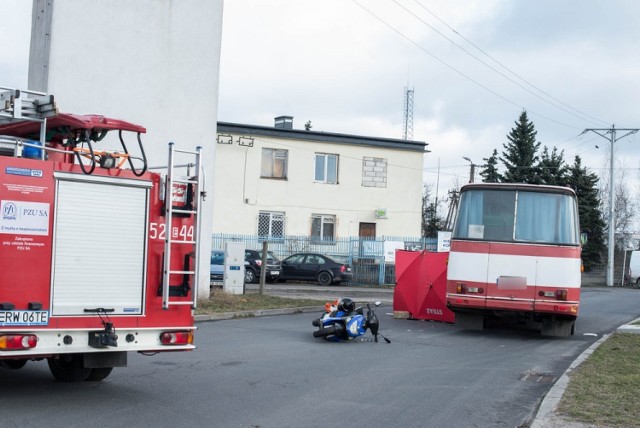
(603, 390)
(221, 301)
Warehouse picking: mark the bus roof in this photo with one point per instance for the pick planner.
(518, 186)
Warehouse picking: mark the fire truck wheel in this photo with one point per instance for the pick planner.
(98, 374)
(12, 364)
(68, 368)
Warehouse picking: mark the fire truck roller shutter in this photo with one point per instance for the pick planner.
(99, 254)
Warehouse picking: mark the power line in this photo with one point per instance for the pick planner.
(513, 73)
(486, 88)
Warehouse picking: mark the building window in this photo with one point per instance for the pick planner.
(374, 172)
(270, 225)
(274, 163)
(326, 168)
(323, 227)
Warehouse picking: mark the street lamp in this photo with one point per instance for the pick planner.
(472, 172)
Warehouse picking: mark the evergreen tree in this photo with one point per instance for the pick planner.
(553, 169)
(584, 184)
(490, 172)
(433, 222)
(519, 156)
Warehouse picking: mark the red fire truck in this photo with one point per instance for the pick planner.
(94, 261)
(515, 252)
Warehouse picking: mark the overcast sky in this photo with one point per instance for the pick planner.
(473, 65)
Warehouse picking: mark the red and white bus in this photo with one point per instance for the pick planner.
(515, 251)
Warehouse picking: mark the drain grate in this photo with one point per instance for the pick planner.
(538, 378)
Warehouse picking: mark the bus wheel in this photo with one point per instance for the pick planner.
(552, 326)
(469, 321)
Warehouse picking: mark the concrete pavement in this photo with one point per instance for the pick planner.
(545, 415)
(307, 291)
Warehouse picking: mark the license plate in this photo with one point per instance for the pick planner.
(8, 318)
(275, 272)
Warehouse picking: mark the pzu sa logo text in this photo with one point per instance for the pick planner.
(29, 212)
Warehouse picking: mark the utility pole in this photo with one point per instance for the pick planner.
(453, 209)
(472, 171)
(610, 134)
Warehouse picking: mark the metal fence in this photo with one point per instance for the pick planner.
(372, 259)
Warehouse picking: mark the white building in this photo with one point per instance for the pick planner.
(151, 62)
(277, 181)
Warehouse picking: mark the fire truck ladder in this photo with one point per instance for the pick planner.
(191, 269)
(20, 105)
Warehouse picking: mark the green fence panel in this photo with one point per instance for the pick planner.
(370, 265)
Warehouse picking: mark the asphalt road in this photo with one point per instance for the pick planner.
(271, 372)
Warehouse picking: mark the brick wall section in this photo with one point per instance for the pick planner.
(374, 172)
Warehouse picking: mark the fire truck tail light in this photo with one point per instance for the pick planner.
(176, 338)
(461, 288)
(16, 342)
(561, 294)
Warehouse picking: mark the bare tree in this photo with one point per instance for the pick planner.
(624, 206)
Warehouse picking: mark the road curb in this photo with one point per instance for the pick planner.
(629, 328)
(257, 313)
(545, 415)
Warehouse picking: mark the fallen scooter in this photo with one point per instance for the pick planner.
(342, 321)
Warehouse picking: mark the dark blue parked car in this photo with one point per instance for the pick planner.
(217, 267)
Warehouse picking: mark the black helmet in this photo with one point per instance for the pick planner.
(346, 305)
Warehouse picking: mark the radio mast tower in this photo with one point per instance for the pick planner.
(407, 113)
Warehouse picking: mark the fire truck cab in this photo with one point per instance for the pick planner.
(98, 254)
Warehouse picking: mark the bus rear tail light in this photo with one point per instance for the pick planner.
(176, 338)
(461, 288)
(17, 342)
(561, 294)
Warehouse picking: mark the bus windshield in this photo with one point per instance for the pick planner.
(509, 215)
